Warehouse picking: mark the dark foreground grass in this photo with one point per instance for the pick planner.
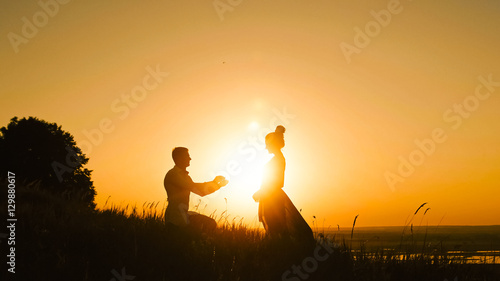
(62, 240)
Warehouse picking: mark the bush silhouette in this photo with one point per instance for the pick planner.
(38, 151)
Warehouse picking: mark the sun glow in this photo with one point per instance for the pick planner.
(250, 177)
(244, 184)
(243, 166)
(253, 125)
(250, 157)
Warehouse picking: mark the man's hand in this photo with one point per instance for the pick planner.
(220, 181)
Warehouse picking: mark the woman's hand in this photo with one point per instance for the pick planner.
(256, 196)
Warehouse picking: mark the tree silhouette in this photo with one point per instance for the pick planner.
(38, 151)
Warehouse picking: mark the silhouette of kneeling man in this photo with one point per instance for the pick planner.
(179, 186)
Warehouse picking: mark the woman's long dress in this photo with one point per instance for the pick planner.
(276, 211)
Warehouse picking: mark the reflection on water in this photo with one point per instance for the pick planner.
(470, 257)
(486, 257)
(456, 244)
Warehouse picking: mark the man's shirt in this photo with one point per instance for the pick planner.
(179, 185)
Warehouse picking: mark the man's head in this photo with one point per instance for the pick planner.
(181, 157)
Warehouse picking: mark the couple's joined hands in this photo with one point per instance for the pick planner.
(220, 181)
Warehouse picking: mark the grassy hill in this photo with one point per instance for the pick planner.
(58, 239)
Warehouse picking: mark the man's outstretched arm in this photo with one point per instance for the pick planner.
(202, 189)
(206, 188)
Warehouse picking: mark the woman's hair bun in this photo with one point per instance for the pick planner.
(280, 130)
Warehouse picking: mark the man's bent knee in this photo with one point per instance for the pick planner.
(202, 222)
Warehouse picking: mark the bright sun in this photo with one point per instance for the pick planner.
(244, 167)
(253, 125)
(249, 159)
(250, 177)
(244, 184)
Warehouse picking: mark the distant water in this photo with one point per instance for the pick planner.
(469, 244)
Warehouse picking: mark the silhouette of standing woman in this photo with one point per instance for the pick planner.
(276, 211)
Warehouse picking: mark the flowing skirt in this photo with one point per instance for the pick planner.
(280, 217)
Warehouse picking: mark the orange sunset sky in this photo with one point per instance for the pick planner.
(387, 104)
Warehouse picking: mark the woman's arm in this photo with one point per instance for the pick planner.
(274, 178)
